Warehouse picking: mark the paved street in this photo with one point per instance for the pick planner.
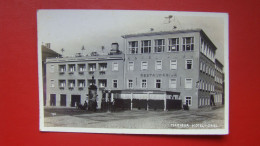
(205, 118)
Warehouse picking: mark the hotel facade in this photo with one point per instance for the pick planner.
(158, 70)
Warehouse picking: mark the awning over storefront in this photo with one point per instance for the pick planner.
(135, 91)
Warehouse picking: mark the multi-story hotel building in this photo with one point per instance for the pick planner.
(155, 70)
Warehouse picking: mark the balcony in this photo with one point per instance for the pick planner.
(62, 72)
(71, 87)
(81, 70)
(102, 72)
(62, 87)
(91, 72)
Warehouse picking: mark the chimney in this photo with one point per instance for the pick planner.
(48, 45)
(115, 47)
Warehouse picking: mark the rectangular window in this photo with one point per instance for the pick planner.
(144, 83)
(144, 65)
(52, 68)
(102, 66)
(146, 46)
(131, 65)
(81, 83)
(201, 66)
(130, 83)
(114, 83)
(115, 66)
(158, 83)
(188, 64)
(188, 44)
(102, 83)
(173, 83)
(52, 84)
(173, 44)
(71, 83)
(92, 66)
(62, 83)
(173, 64)
(62, 68)
(188, 100)
(133, 47)
(91, 82)
(158, 65)
(159, 45)
(71, 67)
(81, 68)
(188, 83)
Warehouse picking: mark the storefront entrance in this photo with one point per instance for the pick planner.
(74, 100)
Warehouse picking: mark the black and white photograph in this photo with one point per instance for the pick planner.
(133, 72)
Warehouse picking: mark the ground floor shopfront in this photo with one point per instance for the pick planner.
(133, 99)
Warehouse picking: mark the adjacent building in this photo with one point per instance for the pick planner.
(219, 83)
(47, 52)
(158, 70)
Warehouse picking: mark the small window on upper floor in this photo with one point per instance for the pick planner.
(52, 84)
(115, 84)
(146, 46)
(130, 84)
(188, 44)
(173, 44)
(173, 64)
(131, 65)
(159, 45)
(188, 64)
(114, 66)
(158, 65)
(188, 83)
(52, 68)
(158, 83)
(133, 47)
(144, 65)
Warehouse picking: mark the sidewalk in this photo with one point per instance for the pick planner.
(138, 119)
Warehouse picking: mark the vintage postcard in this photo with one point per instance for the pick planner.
(133, 72)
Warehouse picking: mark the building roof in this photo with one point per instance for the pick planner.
(86, 58)
(161, 33)
(47, 52)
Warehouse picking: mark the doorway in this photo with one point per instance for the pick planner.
(74, 100)
(63, 100)
(53, 100)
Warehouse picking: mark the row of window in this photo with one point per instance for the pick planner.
(218, 80)
(218, 69)
(218, 98)
(158, 83)
(159, 64)
(207, 69)
(82, 67)
(159, 45)
(204, 102)
(206, 86)
(102, 83)
(207, 50)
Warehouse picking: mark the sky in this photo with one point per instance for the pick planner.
(73, 29)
